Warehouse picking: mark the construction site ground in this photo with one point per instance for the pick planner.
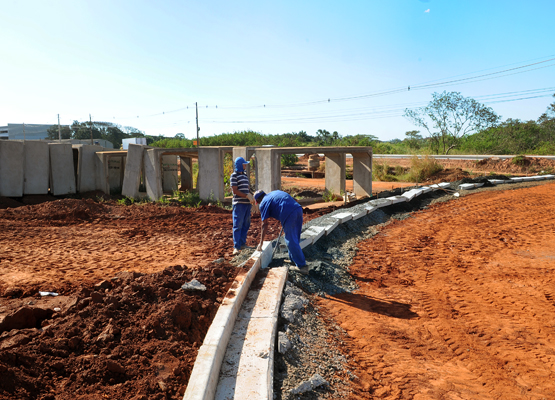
(454, 302)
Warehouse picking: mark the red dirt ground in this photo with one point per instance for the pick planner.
(136, 335)
(457, 302)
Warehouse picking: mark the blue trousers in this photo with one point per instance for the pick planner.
(292, 229)
(241, 222)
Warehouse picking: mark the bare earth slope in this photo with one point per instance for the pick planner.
(457, 302)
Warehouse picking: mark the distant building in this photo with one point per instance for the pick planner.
(31, 131)
(39, 132)
(126, 142)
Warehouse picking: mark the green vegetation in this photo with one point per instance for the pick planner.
(455, 125)
(100, 130)
(422, 168)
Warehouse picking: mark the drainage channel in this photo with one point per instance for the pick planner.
(236, 360)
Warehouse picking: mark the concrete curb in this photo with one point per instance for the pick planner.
(204, 377)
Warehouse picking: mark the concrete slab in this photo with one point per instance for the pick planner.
(517, 179)
(329, 228)
(379, 203)
(86, 167)
(527, 178)
(335, 172)
(316, 232)
(498, 181)
(62, 171)
(153, 174)
(444, 185)
(411, 194)
(397, 199)
(37, 167)
(426, 189)
(343, 217)
(133, 170)
(186, 167)
(307, 240)
(549, 176)
(468, 186)
(211, 173)
(247, 370)
(370, 209)
(358, 215)
(12, 165)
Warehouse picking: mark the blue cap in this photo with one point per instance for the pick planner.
(258, 195)
(239, 162)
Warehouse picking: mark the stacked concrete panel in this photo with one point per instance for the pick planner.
(11, 168)
(86, 168)
(37, 167)
(62, 170)
(133, 171)
(153, 174)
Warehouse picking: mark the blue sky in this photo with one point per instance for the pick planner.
(270, 66)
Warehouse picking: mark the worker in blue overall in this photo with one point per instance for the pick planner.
(289, 213)
(241, 204)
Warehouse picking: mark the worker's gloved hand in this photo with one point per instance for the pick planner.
(259, 248)
(255, 209)
(251, 199)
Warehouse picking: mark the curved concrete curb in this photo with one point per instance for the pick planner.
(204, 377)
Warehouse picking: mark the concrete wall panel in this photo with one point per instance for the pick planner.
(133, 170)
(153, 174)
(362, 174)
(37, 168)
(269, 169)
(211, 173)
(12, 162)
(86, 167)
(62, 172)
(335, 172)
(186, 166)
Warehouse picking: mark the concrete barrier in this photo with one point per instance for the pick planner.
(12, 164)
(62, 169)
(86, 167)
(37, 167)
(133, 171)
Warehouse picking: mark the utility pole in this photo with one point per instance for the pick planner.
(24, 131)
(90, 120)
(198, 129)
(59, 129)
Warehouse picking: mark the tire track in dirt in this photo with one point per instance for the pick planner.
(456, 302)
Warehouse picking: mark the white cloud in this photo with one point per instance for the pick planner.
(427, 11)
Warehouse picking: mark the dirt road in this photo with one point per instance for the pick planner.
(457, 301)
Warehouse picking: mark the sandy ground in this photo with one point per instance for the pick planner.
(456, 302)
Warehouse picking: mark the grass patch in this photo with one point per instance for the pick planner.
(423, 168)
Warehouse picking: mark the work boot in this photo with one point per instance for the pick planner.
(235, 251)
(302, 270)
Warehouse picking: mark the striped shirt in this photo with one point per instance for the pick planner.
(242, 183)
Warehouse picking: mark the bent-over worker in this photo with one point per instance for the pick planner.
(241, 204)
(289, 213)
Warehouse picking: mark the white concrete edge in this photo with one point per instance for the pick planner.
(275, 315)
(204, 377)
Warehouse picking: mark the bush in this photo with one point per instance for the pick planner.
(288, 160)
(423, 168)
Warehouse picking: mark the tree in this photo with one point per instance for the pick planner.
(414, 139)
(325, 138)
(53, 132)
(449, 117)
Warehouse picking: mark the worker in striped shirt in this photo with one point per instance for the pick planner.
(242, 203)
